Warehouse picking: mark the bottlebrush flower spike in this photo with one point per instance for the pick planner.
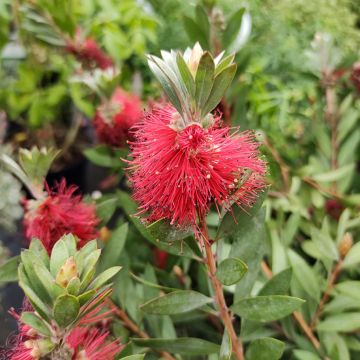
(92, 344)
(114, 118)
(28, 344)
(88, 52)
(61, 212)
(182, 159)
(176, 174)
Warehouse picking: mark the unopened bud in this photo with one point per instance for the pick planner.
(345, 245)
(105, 234)
(31, 333)
(195, 57)
(35, 350)
(66, 272)
(82, 355)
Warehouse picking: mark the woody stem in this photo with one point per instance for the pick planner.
(219, 294)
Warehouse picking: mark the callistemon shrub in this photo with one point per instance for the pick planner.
(183, 158)
(115, 117)
(57, 213)
(67, 301)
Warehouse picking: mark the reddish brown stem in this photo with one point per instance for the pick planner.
(129, 324)
(219, 295)
(332, 280)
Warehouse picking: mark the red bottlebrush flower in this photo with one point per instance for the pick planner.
(334, 208)
(355, 76)
(114, 119)
(61, 212)
(177, 173)
(92, 344)
(88, 53)
(27, 345)
(161, 258)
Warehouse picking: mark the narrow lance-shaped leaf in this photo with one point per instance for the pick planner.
(204, 79)
(181, 346)
(266, 308)
(104, 277)
(221, 83)
(265, 349)
(176, 302)
(35, 322)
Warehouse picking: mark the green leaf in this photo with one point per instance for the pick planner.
(304, 274)
(90, 262)
(112, 250)
(58, 257)
(265, 349)
(181, 346)
(305, 355)
(179, 248)
(105, 156)
(266, 308)
(165, 82)
(36, 163)
(83, 253)
(104, 277)
(349, 288)
(232, 28)
(29, 260)
(278, 285)
(221, 82)
(134, 357)
(352, 257)
(70, 242)
(195, 32)
(226, 347)
(9, 269)
(202, 19)
(35, 322)
(34, 299)
(66, 310)
(335, 175)
(73, 286)
(86, 296)
(340, 322)
(38, 248)
(186, 74)
(47, 281)
(105, 208)
(161, 229)
(324, 243)
(204, 79)
(176, 302)
(247, 236)
(231, 270)
(224, 63)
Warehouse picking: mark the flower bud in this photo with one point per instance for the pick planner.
(39, 348)
(105, 234)
(345, 245)
(195, 57)
(66, 272)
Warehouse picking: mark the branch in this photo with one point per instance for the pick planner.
(332, 280)
(129, 324)
(219, 294)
